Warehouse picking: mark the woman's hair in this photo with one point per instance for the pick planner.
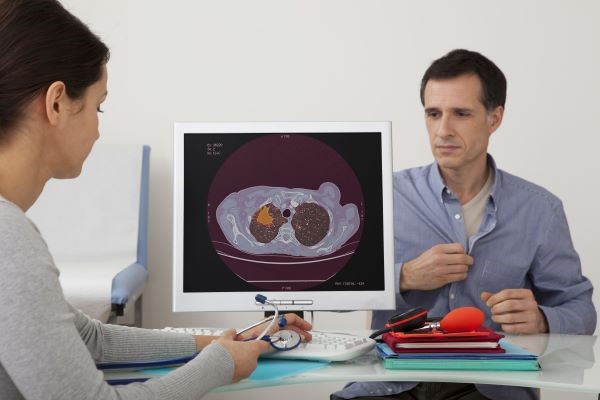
(41, 43)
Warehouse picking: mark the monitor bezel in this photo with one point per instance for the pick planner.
(321, 301)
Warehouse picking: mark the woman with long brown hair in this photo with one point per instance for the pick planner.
(52, 84)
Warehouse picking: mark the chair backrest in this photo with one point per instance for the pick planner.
(102, 214)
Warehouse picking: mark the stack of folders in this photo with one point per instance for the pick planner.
(481, 349)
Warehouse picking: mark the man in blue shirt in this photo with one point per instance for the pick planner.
(469, 234)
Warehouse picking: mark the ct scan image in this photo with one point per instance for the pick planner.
(284, 211)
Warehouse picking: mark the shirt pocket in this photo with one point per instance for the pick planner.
(500, 275)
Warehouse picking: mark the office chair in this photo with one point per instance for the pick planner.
(96, 227)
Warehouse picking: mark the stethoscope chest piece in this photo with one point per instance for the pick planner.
(285, 340)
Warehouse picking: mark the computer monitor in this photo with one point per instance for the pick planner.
(300, 212)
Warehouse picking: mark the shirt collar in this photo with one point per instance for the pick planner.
(496, 185)
(436, 182)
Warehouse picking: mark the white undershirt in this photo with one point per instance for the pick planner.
(474, 210)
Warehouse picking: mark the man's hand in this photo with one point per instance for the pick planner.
(244, 354)
(438, 266)
(293, 323)
(516, 310)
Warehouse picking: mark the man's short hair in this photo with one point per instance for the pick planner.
(464, 62)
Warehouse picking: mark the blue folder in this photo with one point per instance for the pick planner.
(137, 365)
(516, 358)
(268, 369)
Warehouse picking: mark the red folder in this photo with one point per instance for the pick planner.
(481, 340)
(497, 349)
(482, 333)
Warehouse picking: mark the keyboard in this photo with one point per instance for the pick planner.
(324, 346)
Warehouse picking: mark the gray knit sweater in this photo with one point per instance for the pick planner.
(48, 349)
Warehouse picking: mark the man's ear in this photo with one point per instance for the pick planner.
(495, 119)
(56, 102)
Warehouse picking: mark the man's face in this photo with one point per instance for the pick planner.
(459, 126)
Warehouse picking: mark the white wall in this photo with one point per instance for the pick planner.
(241, 60)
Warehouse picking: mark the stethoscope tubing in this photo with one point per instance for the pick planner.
(291, 342)
(254, 325)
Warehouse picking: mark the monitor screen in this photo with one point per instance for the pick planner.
(297, 211)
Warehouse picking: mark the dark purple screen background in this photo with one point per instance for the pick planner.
(218, 164)
(290, 161)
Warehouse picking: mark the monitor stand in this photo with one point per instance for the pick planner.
(298, 313)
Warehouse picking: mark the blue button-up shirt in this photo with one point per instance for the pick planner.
(523, 242)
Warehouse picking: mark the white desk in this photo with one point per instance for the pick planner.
(567, 362)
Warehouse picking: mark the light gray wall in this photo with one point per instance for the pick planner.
(239, 60)
(261, 60)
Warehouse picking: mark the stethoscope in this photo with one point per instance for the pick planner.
(281, 340)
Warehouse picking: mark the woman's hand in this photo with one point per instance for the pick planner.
(244, 354)
(293, 323)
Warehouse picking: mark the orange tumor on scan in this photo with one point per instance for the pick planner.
(264, 217)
